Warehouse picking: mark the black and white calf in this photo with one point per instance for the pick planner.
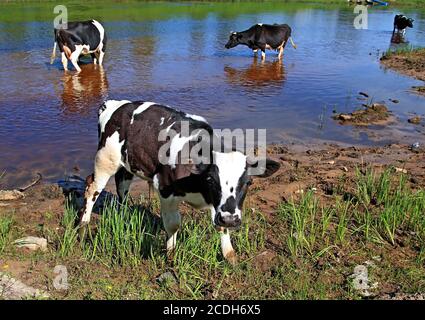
(401, 22)
(85, 37)
(129, 145)
(263, 36)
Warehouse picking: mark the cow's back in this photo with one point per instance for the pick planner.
(275, 34)
(139, 125)
(89, 33)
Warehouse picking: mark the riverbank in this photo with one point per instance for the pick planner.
(411, 3)
(329, 217)
(410, 62)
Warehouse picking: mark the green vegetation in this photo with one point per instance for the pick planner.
(377, 211)
(67, 241)
(402, 50)
(306, 251)
(5, 229)
(23, 11)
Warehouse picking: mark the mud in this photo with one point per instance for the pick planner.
(303, 168)
(374, 114)
(323, 169)
(410, 63)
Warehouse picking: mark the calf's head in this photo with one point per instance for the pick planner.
(228, 181)
(234, 40)
(410, 22)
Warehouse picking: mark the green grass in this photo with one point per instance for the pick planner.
(406, 50)
(312, 245)
(11, 11)
(67, 240)
(123, 235)
(130, 236)
(381, 207)
(5, 231)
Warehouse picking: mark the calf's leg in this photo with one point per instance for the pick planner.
(171, 219)
(280, 52)
(226, 246)
(123, 180)
(74, 57)
(95, 58)
(101, 55)
(64, 61)
(107, 163)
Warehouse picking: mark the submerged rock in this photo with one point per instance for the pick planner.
(415, 120)
(376, 113)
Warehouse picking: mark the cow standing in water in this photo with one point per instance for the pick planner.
(262, 37)
(130, 145)
(401, 22)
(86, 37)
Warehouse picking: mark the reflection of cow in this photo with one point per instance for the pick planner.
(257, 74)
(86, 37)
(86, 88)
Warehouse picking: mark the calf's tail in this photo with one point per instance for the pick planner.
(292, 42)
(52, 58)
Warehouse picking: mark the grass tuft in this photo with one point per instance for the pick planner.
(5, 230)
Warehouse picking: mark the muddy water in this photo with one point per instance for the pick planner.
(174, 54)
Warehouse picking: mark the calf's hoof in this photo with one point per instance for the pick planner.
(232, 258)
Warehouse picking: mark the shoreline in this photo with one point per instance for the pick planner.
(409, 62)
(326, 178)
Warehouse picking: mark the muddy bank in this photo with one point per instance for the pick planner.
(302, 168)
(408, 62)
(327, 171)
(374, 114)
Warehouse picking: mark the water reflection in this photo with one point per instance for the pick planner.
(258, 74)
(83, 90)
(398, 38)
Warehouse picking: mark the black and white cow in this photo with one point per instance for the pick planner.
(85, 37)
(401, 22)
(263, 36)
(129, 146)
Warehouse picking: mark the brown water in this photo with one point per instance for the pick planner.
(48, 118)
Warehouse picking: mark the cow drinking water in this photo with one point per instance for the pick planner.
(262, 37)
(86, 37)
(131, 143)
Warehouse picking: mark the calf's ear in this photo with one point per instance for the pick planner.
(269, 167)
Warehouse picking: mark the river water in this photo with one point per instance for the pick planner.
(174, 54)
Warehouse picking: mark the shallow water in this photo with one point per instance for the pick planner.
(174, 54)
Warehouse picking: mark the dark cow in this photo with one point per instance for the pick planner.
(86, 37)
(401, 22)
(263, 36)
(130, 145)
